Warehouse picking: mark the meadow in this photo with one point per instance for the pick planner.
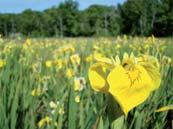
(44, 84)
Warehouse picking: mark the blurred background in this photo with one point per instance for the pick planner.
(85, 18)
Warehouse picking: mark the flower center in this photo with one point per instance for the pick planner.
(133, 75)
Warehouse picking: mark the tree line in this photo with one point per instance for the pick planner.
(133, 17)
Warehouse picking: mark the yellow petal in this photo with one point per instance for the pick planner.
(125, 56)
(105, 61)
(97, 77)
(151, 65)
(117, 60)
(165, 108)
(132, 55)
(129, 88)
(48, 63)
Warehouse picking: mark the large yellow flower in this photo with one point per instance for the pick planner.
(130, 82)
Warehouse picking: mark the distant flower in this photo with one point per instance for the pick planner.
(48, 63)
(79, 83)
(38, 91)
(44, 121)
(59, 63)
(2, 63)
(89, 58)
(77, 99)
(67, 48)
(69, 72)
(26, 44)
(61, 110)
(53, 105)
(75, 59)
(166, 60)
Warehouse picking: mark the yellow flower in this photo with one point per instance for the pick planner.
(166, 60)
(67, 48)
(48, 63)
(129, 82)
(117, 46)
(38, 91)
(75, 59)
(77, 99)
(43, 121)
(53, 105)
(79, 83)
(97, 75)
(89, 58)
(26, 44)
(69, 72)
(2, 63)
(59, 63)
(61, 110)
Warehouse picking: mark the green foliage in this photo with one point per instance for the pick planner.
(20, 110)
(133, 17)
(146, 17)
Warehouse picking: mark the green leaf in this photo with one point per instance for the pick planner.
(119, 123)
(71, 110)
(113, 109)
(101, 126)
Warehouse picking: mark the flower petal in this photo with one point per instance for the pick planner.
(151, 65)
(97, 77)
(108, 63)
(129, 88)
(165, 108)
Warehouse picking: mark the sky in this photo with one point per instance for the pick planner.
(17, 6)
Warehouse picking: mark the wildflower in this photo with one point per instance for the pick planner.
(44, 121)
(79, 83)
(69, 73)
(166, 60)
(77, 99)
(48, 63)
(130, 82)
(2, 63)
(61, 110)
(75, 59)
(117, 46)
(28, 42)
(53, 105)
(67, 48)
(59, 63)
(38, 91)
(97, 55)
(89, 58)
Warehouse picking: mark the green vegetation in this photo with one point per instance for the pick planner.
(44, 84)
(134, 17)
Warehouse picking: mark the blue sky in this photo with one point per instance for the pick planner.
(17, 6)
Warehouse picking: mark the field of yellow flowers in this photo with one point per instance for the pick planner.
(86, 83)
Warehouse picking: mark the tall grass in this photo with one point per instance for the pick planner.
(25, 70)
